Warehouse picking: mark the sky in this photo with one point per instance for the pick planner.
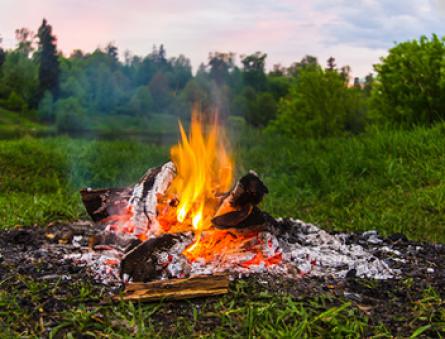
(355, 32)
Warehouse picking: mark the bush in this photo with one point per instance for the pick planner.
(261, 108)
(15, 103)
(410, 86)
(320, 104)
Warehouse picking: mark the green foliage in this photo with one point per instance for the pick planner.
(69, 115)
(48, 62)
(319, 104)
(14, 103)
(142, 102)
(253, 71)
(18, 74)
(261, 108)
(410, 86)
(46, 111)
(391, 181)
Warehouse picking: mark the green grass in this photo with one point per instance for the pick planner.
(68, 310)
(14, 124)
(156, 125)
(391, 181)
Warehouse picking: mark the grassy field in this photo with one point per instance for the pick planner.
(13, 125)
(391, 181)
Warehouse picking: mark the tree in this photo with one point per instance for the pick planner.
(19, 74)
(278, 70)
(159, 91)
(220, 65)
(2, 57)
(181, 72)
(25, 39)
(345, 73)
(331, 64)
(319, 104)
(141, 102)
(261, 108)
(308, 62)
(367, 86)
(253, 70)
(48, 62)
(410, 86)
(2, 54)
(70, 116)
(46, 108)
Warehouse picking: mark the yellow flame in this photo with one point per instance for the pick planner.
(204, 169)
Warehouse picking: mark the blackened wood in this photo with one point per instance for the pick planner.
(140, 263)
(176, 289)
(254, 219)
(101, 203)
(249, 190)
(238, 209)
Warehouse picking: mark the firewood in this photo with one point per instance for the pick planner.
(139, 264)
(176, 289)
(238, 209)
(135, 205)
(101, 203)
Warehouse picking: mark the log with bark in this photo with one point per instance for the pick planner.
(176, 289)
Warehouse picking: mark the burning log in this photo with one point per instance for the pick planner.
(238, 209)
(102, 203)
(140, 263)
(176, 289)
(133, 207)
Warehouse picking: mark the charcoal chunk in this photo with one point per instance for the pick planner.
(140, 263)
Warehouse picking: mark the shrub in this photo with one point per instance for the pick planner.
(15, 103)
(320, 104)
(410, 86)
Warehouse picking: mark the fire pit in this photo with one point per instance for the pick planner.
(187, 220)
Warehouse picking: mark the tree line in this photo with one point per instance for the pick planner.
(306, 99)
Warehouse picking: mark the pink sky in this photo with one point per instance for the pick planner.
(354, 32)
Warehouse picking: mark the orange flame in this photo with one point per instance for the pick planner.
(204, 169)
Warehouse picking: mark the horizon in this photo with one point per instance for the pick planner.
(354, 33)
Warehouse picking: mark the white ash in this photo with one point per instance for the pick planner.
(306, 251)
(143, 207)
(162, 182)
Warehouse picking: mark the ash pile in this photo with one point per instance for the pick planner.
(137, 240)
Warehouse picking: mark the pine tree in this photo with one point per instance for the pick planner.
(2, 54)
(48, 62)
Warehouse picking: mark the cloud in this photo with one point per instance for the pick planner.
(356, 32)
(380, 23)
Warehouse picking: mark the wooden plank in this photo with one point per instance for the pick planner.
(177, 289)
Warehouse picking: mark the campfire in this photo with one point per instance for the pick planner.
(189, 219)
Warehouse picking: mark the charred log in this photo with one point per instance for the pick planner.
(239, 210)
(138, 202)
(102, 203)
(140, 263)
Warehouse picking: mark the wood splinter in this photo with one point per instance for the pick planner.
(176, 289)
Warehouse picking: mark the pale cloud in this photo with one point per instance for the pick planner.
(356, 32)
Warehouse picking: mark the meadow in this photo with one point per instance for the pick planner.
(391, 181)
